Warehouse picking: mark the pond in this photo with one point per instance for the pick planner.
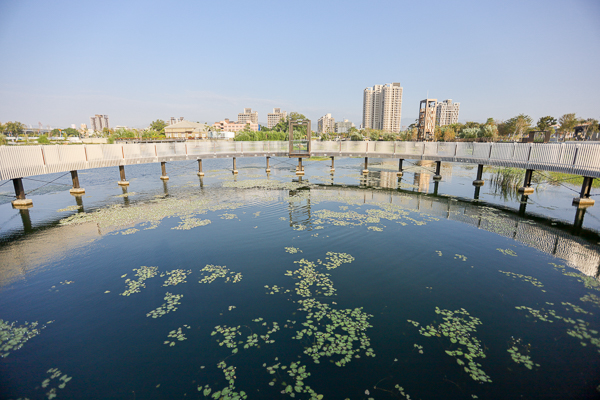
(331, 286)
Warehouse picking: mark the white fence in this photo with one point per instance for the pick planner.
(573, 158)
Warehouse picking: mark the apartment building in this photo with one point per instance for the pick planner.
(426, 124)
(276, 116)
(447, 113)
(248, 115)
(343, 126)
(382, 107)
(326, 124)
(231, 126)
(98, 122)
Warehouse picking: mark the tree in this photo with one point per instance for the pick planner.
(546, 122)
(2, 139)
(469, 133)
(71, 132)
(517, 126)
(15, 128)
(567, 123)
(158, 126)
(43, 139)
(448, 134)
(488, 131)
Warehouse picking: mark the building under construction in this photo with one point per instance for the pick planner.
(426, 125)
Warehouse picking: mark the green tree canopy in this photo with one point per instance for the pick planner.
(43, 139)
(517, 126)
(71, 132)
(546, 122)
(14, 128)
(158, 125)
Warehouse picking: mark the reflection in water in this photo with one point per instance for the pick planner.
(79, 201)
(125, 195)
(523, 205)
(26, 218)
(477, 190)
(165, 187)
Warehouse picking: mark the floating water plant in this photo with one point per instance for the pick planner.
(176, 276)
(519, 353)
(142, 273)
(63, 379)
(292, 250)
(420, 348)
(459, 327)
(129, 231)
(214, 272)
(460, 257)
(507, 252)
(297, 373)
(70, 208)
(439, 253)
(227, 392)
(176, 334)
(228, 216)
(524, 278)
(13, 336)
(591, 298)
(190, 223)
(172, 300)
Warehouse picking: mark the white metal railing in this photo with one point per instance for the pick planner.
(574, 158)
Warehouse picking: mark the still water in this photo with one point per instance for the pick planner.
(267, 287)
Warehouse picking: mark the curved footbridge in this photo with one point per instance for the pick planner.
(571, 158)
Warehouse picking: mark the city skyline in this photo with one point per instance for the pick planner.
(505, 59)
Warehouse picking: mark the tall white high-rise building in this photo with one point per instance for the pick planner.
(248, 115)
(382, 107)
(446, 113)
(326, 124)
(276, 116)
(343, 126)
(99, 122)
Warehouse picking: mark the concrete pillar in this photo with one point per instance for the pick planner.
(26, 219)
(21, 201)
(523, 204)
(163, 167)
(332, 164)
(165, 187)
(479, 181)
(76, 190)
(584, 196)
(268, 167)
(366, 170)
(477, 190)
(578, 223)
(200, 173)
(235, 171)
(123, 181)
(299, 168)
(438, 169)
(400, 172)
(526, 188)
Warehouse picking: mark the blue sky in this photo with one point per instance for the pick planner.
(63, 61)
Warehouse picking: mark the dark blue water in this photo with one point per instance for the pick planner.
(411, 254)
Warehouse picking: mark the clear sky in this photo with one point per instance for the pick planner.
(137, 61)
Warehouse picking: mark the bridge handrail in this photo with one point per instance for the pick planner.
(573, 158)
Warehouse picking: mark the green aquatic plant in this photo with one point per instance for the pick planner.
(507, 252)
(439, 253)
(591, 298)
(329, 332)
(70, 208)
(524, 278)
(13, 336)
(176, 334)
(575, 308)
(308, 276)
(63, 379)
(188, 223)
(519, 353)
(136, 286)
(214, 272)
(228, 216)
(228, 392)
(176, 276)
(419, 348)
(292, 250)
(460, 257)
(459, 328)
(172, 300)
(297, 373)
(129, 231)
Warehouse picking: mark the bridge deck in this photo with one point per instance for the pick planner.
(572, 158)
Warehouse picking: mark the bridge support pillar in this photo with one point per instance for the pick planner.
(21, 202)
(268, 167)
(200, 173)
(76, 190)
(299, 168)
(400, 172)
(526, 188)
(366, 170)
(123, 181)
(584, 197)
(235, 171)
(332, 164)
(163, 167)
(438, 170)
(479, 181)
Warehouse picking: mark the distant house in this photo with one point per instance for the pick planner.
(187, 129)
